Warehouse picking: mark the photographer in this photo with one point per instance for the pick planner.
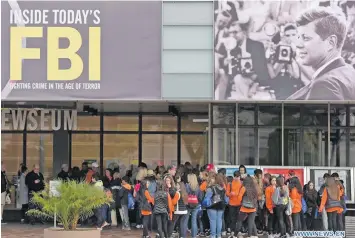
(286, 71)
(242, 60)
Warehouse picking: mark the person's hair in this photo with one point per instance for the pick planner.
(280, 181)
(307, 187)
(143, 165)
(250, 189)
(142, 173)
(326, 175)
(271, 178)
(85, 163)
(258, 172)
(126, 179)
(168, 176)
(236, 174)
(160, 185)
(242, 166)
(204, 175)
(192, 180)
(332, 187)
(335, 175)
(221, 180)
(188, 168)
(23, 168)
(75, 169)
(110, 171)
(211, 179)
(268, 176)
(183, 192)
(328, 21)
(116, 175)
(295, 183)
(290, 27)
(245, 26)
(222, 171)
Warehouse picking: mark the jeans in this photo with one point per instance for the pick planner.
(182, 220)
(233, 217)
(272, 222)
(124, 216)
(162, 224)
(296, 220)
(280, 216)
(251, 223)
(310, 218)
(146, 220)
(194, 229)
(138, 214)
(200, 221)
(101, 215)
(215, 217)
(335, 221)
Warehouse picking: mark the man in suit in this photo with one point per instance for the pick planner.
(244, 48)
(322, 33)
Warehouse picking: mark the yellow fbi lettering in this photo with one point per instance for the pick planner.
(54, 53)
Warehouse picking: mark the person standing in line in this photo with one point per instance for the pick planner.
(123, 194)
(195, 198)
(311, 197)
(64, 173)
(35, 183)
(145, 202)
(280, 199)
(215, 190)
(162, 209)
(233, 190)
(249, 197)
(320, 194)
(331, 202)
(4, 189)
(296, 193)
(271, 212)
(23, 193)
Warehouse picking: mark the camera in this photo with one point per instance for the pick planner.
(284, 54)
(246, 66)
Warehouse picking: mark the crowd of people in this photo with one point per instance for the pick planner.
(203, 202)
(264, 49)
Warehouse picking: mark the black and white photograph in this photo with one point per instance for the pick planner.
(284, 50)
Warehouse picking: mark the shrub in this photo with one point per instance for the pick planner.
(74, 201)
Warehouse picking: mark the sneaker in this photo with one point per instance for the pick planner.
(224, 233)
(201, 234)
(126, 228)
(270, 236)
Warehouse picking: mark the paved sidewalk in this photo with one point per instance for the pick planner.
(16, 230)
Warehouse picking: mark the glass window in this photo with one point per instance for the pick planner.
(292, 147)
(269, 115)
(121, 123)
(194, 123)
(315, 115)
(338, 115)
(194, 149)
(88, 123)
(315, 143)
(292, 114)
(159, 149)
(11, 152)
(246, 114)
(40, 151)
(159, 123)
(85, 147)
(351, 160)
(122, 150)
(247, 147)
(338, 139)
(224, 146)
(224, 114)
(352, 116)
(270, 146)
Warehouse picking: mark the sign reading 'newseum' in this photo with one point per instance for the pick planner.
(72, 50)
(284, 50)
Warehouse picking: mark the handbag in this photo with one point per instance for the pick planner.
(8, 199)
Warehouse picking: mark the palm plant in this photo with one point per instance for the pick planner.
(74, 201)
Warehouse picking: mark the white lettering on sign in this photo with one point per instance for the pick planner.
(19, 119)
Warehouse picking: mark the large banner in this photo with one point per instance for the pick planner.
(284, 50)
(76, 50)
